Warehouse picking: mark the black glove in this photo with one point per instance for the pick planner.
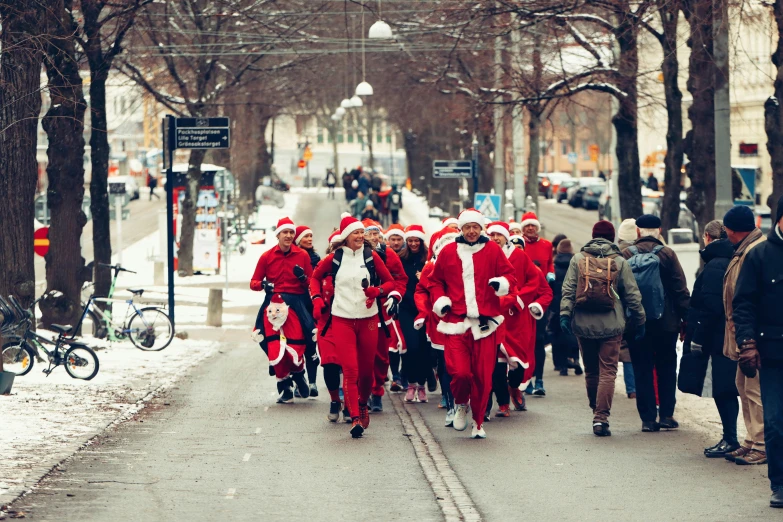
(446, 309)
(641, 330)
(300, 273)
(393, 306)
(495, 285)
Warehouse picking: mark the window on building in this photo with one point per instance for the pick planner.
(563, 147)
(585, 151)
(320, 137)
(351, 126)
(379, 132)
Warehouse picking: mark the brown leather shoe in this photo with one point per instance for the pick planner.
(740, 452)
(752, 458)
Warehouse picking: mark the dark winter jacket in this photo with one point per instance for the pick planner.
(675, 285)
(412, 264)
(757, 298)
(562, 262)
(314, 257)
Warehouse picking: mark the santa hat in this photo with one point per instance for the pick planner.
(370, 224)
(416, 231)
(441, 239)
(301, 231)
(450, 221)
(470, 215)
(277, 299)
(530, 218)
(514, 226)
(500, 228)
(348, 224)
(395, 230)
(335, 237)
(285, 224)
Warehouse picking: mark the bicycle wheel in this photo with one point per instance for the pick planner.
(81, 362)
(18, 358)
(151, 329)
(93, 325)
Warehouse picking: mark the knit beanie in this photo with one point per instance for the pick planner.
(604, 229)
(564, 247)
(627, 230)
(739, 219)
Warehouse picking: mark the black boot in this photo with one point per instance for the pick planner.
(777, 498)
(285, 391)
(301, 384)
(720, 450)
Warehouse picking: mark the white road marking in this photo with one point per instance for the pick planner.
(230, 493)
(258, 430)
(246, 457)
(453, 499)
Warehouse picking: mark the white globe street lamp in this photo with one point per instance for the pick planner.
(340, 112)
(364, 89)
(346, 103)
(356, 101)
(380, 30)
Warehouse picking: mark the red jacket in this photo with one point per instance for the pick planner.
(424, 307)
(394, 264)
(278, 268)
(540, 252)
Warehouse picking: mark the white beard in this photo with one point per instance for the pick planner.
(277, 314)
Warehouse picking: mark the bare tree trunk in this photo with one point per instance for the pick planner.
(264, 162)
(20, 79)
(185, 252)
(670, 207)
(533, 152)
(64, 125)
(773, 119)
(370, 128)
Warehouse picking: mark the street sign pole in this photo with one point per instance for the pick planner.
(118, 216)
(168, 156)
(475, 166)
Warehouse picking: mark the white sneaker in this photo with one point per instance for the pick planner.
(460, 421)
(450, 418)
(478, 433)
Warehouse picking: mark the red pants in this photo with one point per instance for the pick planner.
(358, 340)
(470, 363)
(286, 367)
(381, 363)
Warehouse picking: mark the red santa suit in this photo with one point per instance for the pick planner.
(461, 280)
(539, 250)
(283, 338)
(517, 347)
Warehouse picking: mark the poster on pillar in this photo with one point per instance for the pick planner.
(206, 243)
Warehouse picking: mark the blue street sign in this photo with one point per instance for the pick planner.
(572, 157)
(488, 204)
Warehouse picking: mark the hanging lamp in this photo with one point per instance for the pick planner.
(380, 30)
(364, 88)
(356, 101)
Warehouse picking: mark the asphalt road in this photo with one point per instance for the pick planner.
(562, 218)
(217, 447)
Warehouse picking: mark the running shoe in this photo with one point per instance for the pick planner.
(478, 432)
(301, 384)
(346, 415)
(529, 389)
(503, 411)
(313, 390)
(517, 399)
(410, 395)
(376, 403)
(432, 382)
(422, 394)
(364, 416)
(450, 418)
(356, 429)
(396, 385)
(539, 390)
(443, 403)
(461, 417)
(287, 397)
(334, 411)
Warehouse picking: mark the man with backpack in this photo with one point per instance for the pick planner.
(395, 204)
(598, 290)
(666, 299)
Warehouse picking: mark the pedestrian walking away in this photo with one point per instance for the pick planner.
(395, 204)
(759, 334)
(599, 292)
(152, 182)
(331, 182)
(665, 298)
(626, 235)
(565, 347)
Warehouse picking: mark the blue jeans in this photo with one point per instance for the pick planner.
(771, 378)
(628, 377)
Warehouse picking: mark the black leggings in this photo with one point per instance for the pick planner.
(728, 409)
(416, 362)
(500, 384)
(540, 358)
(444, 378)
(332, 376)
(394, 363)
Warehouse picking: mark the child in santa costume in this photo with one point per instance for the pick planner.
(470, 277)
(428, 320)
(389, 311)
(285, 345)
(517, 346)
(361, 280)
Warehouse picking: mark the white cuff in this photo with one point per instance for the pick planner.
(440, 304)
(536, 311)
(418, 323)
(504, 286)
(521, 303)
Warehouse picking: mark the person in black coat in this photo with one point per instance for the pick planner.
(416, 361)
(565, 347)
(704, 340)
(758, 322)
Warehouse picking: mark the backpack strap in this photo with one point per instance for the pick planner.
(337, 260)
(634, 249)
(369, 262)
(657, 249)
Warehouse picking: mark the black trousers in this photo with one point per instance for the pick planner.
(395, 216)
(658, 351)
(500, 385)
(540, 358)
(728, 409)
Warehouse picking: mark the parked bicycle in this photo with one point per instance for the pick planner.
(24, 345)
(148, 328)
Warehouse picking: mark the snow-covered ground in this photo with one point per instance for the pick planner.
(46, 419)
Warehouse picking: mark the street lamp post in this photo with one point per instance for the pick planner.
(475, 166)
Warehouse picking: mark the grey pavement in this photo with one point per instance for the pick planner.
(217, 447)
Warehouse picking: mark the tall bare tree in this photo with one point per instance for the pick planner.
(773, 116)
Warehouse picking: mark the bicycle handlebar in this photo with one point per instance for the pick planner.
(118, 268)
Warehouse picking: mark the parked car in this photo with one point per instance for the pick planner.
(549, 183)
(562, 190)
(131, 185)
(591, 196)
(763, 218)
(582, 182)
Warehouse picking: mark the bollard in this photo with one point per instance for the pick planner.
(215, 307)
(159, 273)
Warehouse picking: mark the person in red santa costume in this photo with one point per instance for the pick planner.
(428, 320)
(389, 310)
(469, 278)
(395, 240)
(395, 237)
(517, 349)
(361, 281)
(285, 270)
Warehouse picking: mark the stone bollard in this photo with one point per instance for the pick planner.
(215, 307)
(159, 273)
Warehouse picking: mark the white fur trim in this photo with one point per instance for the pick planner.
(513, 362)
(356, 225)
(280, 354)
(465, 253)
(499, 230)
(396, 294)
(345, 215)
(470, 216)
(450, 221)
(515, 226)
(453, 328)
(536, 311)
(440, 304)
(505, 286)
(287, 226)
(418, 323)
(470, 324)
(444, 240)
(520, 303)
(531, 222)
(395, 232)
(303, 234)
(414, 233)
(508, 249)
(294, 355)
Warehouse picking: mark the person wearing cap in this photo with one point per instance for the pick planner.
(655, 354)
(285, 269)
(626, 235)
(599, 332)
(469, 278)
(360, 279)
(395, 240)
(740, 225)
(537, 248)
(303, 238)
(516, 357)
(758, 324)
(372, 235)
(369, 212)
(395, 237)
(514, 228)
(452, 223)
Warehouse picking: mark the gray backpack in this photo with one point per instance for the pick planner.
(646, 268)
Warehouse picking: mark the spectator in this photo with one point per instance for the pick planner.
(740, 225)
(652, 182)
(759, 326)
(395, 204)
(599, 323)
(665, 295)
(369, 212)
(331, 182)
(565, 348)
(626, 235)
(152, 182)
(358, 205)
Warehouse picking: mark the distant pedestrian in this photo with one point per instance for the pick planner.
(666, 298)
(152, 181)
(331, 182)
(652, 182)
(395, 204)
(740, 225)
(565, 348)
(626, 235)
(358, 204)
(759, 323)
(369, 211)
(596, 313)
